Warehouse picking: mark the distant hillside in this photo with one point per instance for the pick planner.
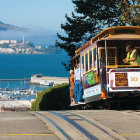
(6, 27)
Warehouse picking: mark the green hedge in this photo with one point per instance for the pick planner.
(54, 98)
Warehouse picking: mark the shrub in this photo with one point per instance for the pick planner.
(54, 98)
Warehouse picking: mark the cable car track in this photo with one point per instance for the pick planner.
(103, 130)
(58, 127)
(76, 121)
(76, 125)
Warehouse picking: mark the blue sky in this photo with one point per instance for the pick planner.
(48, 14)
(41, 17)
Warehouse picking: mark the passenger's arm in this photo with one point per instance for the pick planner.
(124, 59)
(132, 59)
(74, 78)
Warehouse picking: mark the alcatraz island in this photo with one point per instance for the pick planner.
(24, 47)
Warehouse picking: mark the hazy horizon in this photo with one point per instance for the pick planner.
(42, 18)
(37, 36)
(34, 14)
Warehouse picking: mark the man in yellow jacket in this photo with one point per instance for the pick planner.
(131, 57)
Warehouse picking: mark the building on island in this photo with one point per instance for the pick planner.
(8, 41)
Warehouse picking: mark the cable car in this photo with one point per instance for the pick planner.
(104, 75)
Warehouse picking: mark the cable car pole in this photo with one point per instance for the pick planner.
(106, 64)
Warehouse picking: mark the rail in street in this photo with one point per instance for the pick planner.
(95, 124)
(71, 124)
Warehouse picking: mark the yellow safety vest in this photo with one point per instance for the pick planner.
(129, 56)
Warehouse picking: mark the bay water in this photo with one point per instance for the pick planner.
(24, 66)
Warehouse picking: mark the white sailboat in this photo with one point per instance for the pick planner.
(46, 82)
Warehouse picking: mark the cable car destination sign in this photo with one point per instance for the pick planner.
(124, 79)
(121, 79)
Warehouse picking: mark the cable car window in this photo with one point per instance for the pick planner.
(111, 56)
(94, 57)
(90, 59)
(86, 61)
(83, 64)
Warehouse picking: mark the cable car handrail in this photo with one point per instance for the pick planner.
(121, 66)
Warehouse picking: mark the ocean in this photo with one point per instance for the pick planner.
(23, 66)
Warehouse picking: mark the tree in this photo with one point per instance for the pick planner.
(105, 13)
(76, 29)
(88, 19)
(130, 11)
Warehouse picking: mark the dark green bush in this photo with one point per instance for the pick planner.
(54, 98)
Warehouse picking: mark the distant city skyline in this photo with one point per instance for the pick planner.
(43, 14)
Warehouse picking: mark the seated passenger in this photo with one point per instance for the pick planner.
(131, 57)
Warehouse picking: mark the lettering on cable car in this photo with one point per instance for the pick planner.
(134, 79)
(121, 79)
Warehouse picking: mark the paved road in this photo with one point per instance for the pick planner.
(23, 126)
(100, 124)
(76, 125)
(124, 123)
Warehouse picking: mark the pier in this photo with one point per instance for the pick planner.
(45, 80)
(11, 80)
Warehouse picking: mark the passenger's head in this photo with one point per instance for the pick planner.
(71, 72)
(78, 66)
(129, 47)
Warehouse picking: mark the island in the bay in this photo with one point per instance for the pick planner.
(22, 47)
(27, 47)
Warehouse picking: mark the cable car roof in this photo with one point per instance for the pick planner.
(120, 32)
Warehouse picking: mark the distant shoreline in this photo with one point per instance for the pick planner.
(33, 54)
(25, 47)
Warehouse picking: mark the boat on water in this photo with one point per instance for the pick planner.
(16, 94)
(46, 82)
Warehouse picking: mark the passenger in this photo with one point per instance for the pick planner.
(71, 81)
(78, 89)
(131, 57)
